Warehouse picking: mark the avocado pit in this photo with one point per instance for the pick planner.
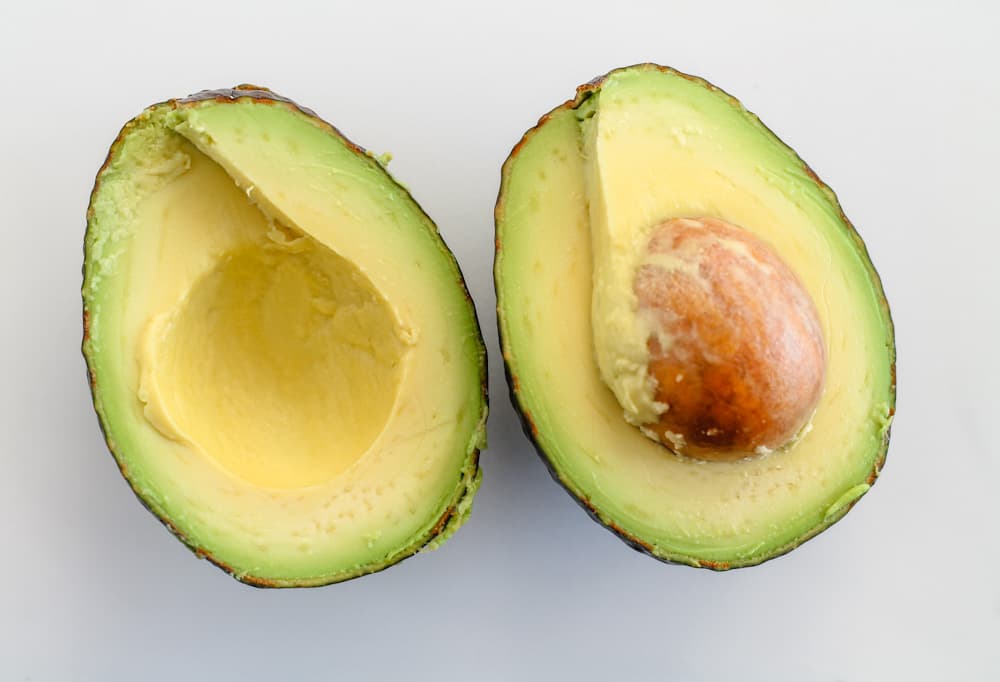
(735, 345)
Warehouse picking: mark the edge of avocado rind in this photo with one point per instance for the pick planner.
(583, 93)
(456, 510)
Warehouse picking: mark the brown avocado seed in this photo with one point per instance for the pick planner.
(736, 346)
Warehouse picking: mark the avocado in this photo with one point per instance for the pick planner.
(693, 332)
(283, 355)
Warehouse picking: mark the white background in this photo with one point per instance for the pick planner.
(896, 107)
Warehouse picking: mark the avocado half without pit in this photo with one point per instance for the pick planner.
(283, 355)
(693, 332)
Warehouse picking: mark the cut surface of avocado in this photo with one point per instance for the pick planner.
(283, 354)
(580, 198)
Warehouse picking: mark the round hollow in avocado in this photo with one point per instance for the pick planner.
(283, 355)
(581, 195)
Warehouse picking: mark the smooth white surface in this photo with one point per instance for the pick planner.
(896, 107)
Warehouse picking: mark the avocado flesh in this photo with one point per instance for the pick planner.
(643, 145)
(283, 355)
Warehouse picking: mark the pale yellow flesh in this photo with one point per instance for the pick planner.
(712, 163)
(299, 405)
(620, 331)
(282, 362)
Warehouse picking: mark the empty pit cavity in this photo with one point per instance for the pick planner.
(282, 363)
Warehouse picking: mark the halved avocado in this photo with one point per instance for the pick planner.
(603, 192)
(283, 354)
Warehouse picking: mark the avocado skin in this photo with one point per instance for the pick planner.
(472, 473)
(583, 93)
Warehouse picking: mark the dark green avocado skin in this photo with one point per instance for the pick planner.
(448, 521)
(583, 93)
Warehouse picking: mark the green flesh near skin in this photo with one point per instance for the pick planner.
(643, 145)
(283, 355)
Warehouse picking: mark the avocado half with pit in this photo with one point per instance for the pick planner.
(283, 354)
(693, 332)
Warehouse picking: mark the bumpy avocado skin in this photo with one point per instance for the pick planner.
(583, 93)
(460, 505)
